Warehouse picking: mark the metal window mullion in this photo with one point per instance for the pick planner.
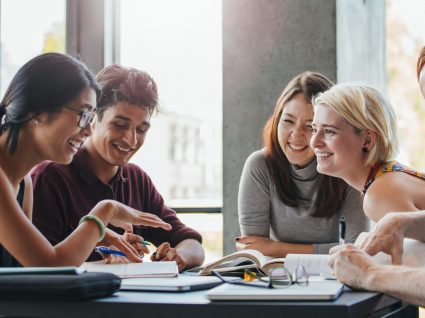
(112, 32)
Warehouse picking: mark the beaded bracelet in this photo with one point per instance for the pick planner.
(97, 221)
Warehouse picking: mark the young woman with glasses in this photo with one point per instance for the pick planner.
(45, 114)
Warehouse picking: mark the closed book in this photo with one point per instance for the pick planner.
(126, 270)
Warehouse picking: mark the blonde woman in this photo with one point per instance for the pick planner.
(353, 266)
(355, 139)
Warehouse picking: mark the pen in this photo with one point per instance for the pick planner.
(105, 250)
(342, 227)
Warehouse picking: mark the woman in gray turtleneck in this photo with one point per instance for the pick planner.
(285, 205)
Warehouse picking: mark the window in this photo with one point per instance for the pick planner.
(45, 19)
(405, 36)
(179, 43)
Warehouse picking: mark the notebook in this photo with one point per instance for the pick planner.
(175, 284)
(126, 270)
(316, 290)
(60, 270)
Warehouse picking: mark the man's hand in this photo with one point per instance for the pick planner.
(387, 237)
(128, 243)
(165, 252)
(351, 265)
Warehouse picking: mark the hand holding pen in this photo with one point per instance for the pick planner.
(113, 256)
(130, 244)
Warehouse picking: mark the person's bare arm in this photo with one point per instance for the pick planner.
(377, 204)
(402, 282)
(414, 224)
(272, 248)
(28, 197)
(20, 237)
(357, 269)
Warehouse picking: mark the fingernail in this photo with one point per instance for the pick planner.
(236, 238)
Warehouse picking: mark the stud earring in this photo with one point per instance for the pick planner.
(365, 150)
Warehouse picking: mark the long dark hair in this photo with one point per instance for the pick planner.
(42, 85)
(331, 191)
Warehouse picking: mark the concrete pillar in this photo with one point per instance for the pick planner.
(265, 44)
(92, 29)
(361, 40)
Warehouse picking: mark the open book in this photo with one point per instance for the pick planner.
(315, 264)
(240, 260)
(126, 270)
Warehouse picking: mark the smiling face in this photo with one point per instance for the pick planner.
(120, 133)
(337, 147)
(294, 131)
(58, 137)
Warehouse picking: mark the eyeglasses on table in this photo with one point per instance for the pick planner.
(278, 277)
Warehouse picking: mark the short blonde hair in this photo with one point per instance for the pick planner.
(365, 108)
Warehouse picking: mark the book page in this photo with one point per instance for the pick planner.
(315, 264)
(146, 269)
(414, 253)
(234, 260)
(271, 264)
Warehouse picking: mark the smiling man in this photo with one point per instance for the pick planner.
(100, 170)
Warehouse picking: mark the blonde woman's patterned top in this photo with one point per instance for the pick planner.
(391, 166)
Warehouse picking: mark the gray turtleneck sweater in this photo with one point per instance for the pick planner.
(262, 213)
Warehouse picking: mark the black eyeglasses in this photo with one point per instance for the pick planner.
(278, 278)
(86, 117)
